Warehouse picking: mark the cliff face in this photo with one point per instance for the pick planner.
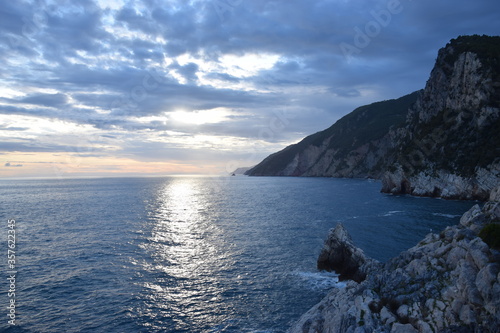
(443, 141)
(447, 283)
(450, 146)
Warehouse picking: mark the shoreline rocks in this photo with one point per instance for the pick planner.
(449, 282)
(339, 254)
(443, 184)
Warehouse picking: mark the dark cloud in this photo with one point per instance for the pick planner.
(223, 77)
(136, 20)
(72, 28)
(187, 71)
(48, 100)
(33, 146)
(12, 128)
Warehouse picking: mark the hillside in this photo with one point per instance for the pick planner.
(442, 141)
(347, 149)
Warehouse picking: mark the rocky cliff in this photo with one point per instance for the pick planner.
(442, 141)
(450, 145)
(449, 282)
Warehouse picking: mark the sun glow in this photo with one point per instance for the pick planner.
(199, 117)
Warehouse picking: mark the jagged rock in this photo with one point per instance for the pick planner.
(396, 183)
(339, 254)
(403, 312)
(492, 208)
(485, 280)
(446, 283)
(386, 316)
(470, 215)
(495, 195)
(400, 328)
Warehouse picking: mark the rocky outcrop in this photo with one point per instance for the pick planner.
(449, 282)
(450, 144)
(339, 254)
(444, 184)
(443, 141)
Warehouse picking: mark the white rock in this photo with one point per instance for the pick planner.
(440, 305)
(386, 316)
(467, 315)
(400, 328)
(467, 218)
(403, 311)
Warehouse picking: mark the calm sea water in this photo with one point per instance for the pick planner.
(191, 254)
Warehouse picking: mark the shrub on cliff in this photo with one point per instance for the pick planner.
(490, 234)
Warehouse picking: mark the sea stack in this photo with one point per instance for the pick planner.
(449, 282)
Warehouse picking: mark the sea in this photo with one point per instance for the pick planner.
(189, 254)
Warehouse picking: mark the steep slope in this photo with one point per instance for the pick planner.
(354, 146)
(450, 146)
(443, 141)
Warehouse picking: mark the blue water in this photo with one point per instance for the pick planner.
(191, 254)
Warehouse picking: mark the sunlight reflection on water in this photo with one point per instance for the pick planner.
(196, 255)
(188, 251)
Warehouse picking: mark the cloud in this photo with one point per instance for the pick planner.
(48, 100)
(11, 128)
(110, 67)
(188, 71)
(9, 165)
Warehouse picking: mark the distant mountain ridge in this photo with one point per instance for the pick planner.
(441, 141)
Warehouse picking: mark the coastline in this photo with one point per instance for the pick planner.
(449, 282)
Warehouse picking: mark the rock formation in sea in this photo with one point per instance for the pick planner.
(339, 254)
(449, 282)
(443, 141)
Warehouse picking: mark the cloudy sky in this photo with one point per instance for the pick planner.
(110, 88)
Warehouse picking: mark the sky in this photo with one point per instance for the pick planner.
(149, 87)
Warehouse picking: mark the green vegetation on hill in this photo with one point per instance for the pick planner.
(370, 122)
(486, 47)
(490, 234)
(364, 125)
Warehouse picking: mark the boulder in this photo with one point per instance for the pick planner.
(339, 254)
(495, 194)
(400, 328)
